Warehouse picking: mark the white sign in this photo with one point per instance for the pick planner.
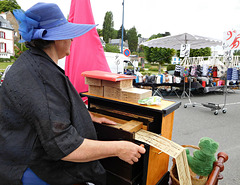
(228, 55)
(185, 50)
(231, 40)
(117, 60)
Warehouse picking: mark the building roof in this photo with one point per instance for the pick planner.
(118, 42)
(5, 24)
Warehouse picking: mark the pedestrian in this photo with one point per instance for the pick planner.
(47, 135)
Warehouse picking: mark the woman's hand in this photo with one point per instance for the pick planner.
(130, 152)
(102, 120)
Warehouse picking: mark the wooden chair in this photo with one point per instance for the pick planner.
(217, 169)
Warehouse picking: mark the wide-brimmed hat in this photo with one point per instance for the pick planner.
(46, 21)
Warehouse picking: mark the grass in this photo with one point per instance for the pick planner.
(3, 65)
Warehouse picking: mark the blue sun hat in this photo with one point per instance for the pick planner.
(46, 21)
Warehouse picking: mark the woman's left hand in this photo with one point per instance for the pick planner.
(103, 120)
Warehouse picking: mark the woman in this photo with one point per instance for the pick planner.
(46, 133)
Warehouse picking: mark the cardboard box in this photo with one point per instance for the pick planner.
(97, 90)
(93, 81)
(135, 94)
(123, 84)
(111, 92)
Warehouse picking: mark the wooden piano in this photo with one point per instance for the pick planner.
(152, 167)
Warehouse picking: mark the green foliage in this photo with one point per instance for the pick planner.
(19, 48)
(146, 73)
(100, 33)
(202, 52)
(141, 54)
(147, 65)
(4, 64)
(142, 70)
(111, 48)
(153, 68)
(171, 67)
(236, 53)
(8, 5)
(119, 35)
(132, 39)
(159, 35)
(114, 34)
(108, 26)
(159, 55)
(5, 60)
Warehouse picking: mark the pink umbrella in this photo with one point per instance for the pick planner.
(86, 51)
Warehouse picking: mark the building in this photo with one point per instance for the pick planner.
(13, 21)
(118, 43)
(6, 38)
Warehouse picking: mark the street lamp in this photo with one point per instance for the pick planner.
(122, 27)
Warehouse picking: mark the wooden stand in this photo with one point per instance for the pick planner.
(157, 119)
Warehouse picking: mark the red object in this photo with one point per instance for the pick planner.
(214, 71)
(217, 168)
(127, 52)
(107, 75)
(86, 51)
(203, 83)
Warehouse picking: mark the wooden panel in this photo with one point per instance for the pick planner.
(158, 161)
(93, 81)
(130, 126)
(162, 115)
(111, 92)
(164, 103)
(124, 84)
(157, 166)
(168, 147)
(135, 94)
(97, 90)
(167, 125)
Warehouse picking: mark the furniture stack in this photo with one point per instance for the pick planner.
(115, 88)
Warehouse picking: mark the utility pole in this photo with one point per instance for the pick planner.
(122, 27)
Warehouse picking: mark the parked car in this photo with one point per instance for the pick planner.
(4, 73)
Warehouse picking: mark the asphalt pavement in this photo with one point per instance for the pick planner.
(193, 123)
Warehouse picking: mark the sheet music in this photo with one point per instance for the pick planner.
(169, 147)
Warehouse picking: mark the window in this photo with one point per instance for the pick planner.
(3, 47)
(4, 24)
(2, 34)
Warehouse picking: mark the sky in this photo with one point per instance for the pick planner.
(209, 18)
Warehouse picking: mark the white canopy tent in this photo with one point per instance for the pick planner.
(175, 41)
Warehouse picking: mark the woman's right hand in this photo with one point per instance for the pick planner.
(129, 152)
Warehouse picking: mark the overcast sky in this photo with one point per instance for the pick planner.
(208, 18)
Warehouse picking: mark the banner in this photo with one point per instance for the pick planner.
(185, 50)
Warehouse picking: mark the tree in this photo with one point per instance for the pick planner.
(99, 32)
(19, 48)
(108, 26)
(8, 5)
(159, 35)
(111, 48)
(119, 35)
(114, 34)
(202, 52)
(158, 55)
(236, 53)
(132, 39)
